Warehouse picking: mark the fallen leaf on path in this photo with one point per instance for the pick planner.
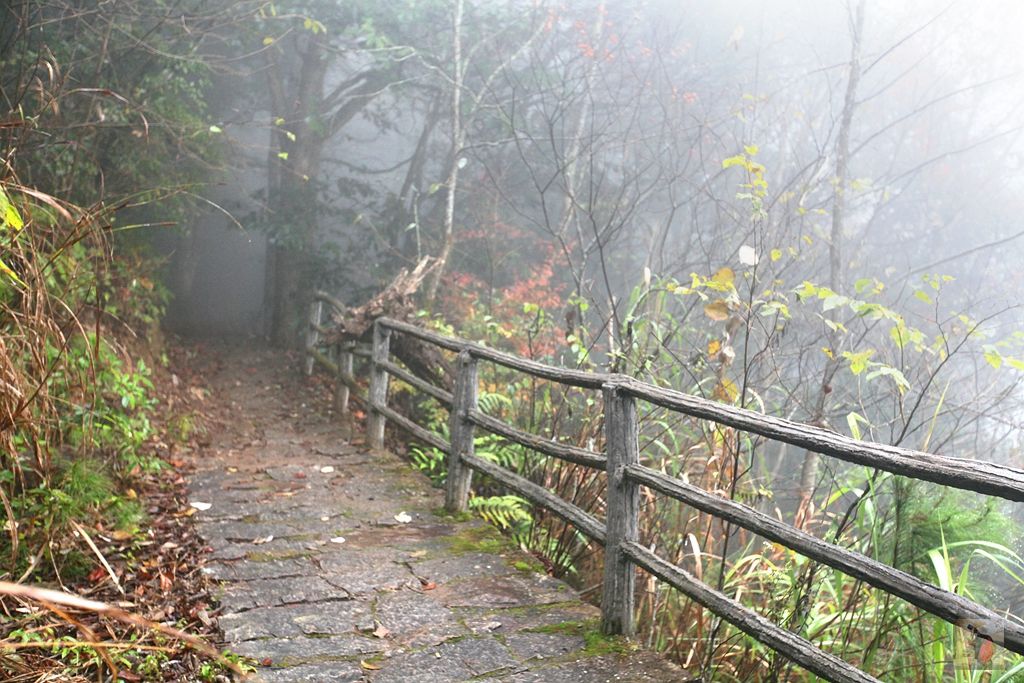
(202, 507)
(369, 666)
(263, 539)
(338, 539)
(403, 518)
(326, 469)
(428, 585)
(489, 626)
(381, 631)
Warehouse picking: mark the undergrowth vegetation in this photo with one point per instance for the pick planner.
(959, 541)
(88, 132)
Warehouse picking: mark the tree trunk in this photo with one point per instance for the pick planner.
(458, 139)
(809, 471)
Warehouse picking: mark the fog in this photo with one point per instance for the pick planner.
(590, 160)
(811, 210)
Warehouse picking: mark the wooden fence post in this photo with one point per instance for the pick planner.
(341, 390)
(378, 397)
(316, 309)
(621, 438)
(461, 431)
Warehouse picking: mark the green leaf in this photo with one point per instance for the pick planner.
(923, 296)
(216, 129)
(898, 336)
(888, 371)
(751, 150)
(776, 254)
(834, 301)
(283, 156)
(854, 421)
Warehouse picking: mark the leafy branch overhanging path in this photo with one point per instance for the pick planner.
(337, 564)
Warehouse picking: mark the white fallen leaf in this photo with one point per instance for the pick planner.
(381, 631)
(403, 518)
(748, 256)
(324, 518)
(263, 539)
(338, 539)
(326, 469)
(202, 507)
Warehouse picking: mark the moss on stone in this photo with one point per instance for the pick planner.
(271, 556)
(478, 538)
(597, 644)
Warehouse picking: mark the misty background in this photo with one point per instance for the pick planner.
(811, 210)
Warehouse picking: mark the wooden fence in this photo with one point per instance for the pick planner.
(618, 532)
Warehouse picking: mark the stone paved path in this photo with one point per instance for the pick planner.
(325, 579)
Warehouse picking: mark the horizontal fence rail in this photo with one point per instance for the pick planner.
(618, 532)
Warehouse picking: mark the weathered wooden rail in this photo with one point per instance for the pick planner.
(618, 532)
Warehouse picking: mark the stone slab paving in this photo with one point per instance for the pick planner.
(323, 579)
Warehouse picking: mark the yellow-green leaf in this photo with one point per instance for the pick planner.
(724, 276)
(1014, 363)
(11, 218)
(751, 150)
(738, 160)
(726, 390)
(858, 361)
(6, 270)
(992, 356)
(776, 254)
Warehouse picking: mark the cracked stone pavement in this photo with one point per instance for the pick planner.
(320, 582)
